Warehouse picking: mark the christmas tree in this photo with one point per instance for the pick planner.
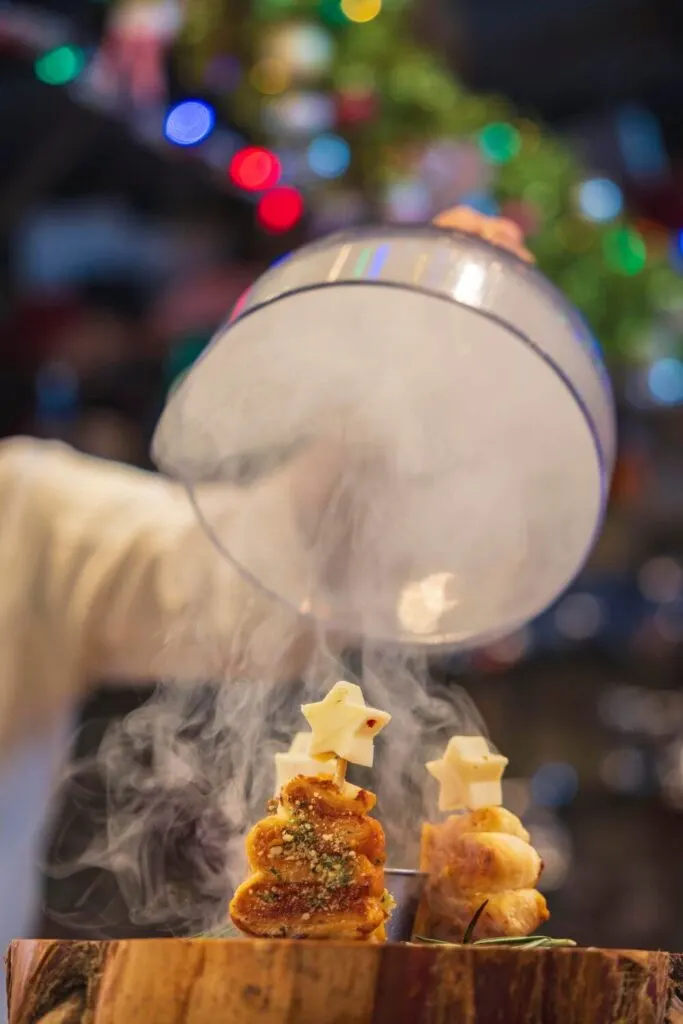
(361, 120)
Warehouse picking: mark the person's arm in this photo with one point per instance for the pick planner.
(106, 574)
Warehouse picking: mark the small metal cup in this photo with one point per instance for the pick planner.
(406, 887)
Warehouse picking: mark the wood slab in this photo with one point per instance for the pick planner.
(233, 981)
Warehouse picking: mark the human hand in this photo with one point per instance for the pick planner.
(499, 230)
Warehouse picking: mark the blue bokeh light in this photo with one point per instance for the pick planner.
(641, 141)
(554, 785)
(280, 260)
(329, 156)
(600, 199)
(665, 381)
(57, 391)
(482, 202)
(189, 123)
(677, 251)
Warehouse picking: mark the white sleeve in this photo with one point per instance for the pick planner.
(105, 573)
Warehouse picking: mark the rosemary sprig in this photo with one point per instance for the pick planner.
(513, 941)
(469, 931)
(526, 942)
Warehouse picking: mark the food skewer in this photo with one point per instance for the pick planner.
(298, 761)
(340, 773)
(479, 857)
(317, 862)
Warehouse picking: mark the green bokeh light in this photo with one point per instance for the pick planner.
(331, 12)
(500, 142)
(624, 251)
(182, 357)
(60, 66)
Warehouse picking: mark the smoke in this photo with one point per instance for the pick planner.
(167, 801)
(162, 809)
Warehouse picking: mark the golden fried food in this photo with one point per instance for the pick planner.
(474, 857)
(511, 913)
(317, 866)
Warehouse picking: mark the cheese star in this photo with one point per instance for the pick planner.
(469, 775)
(341, 724)
(298, 761)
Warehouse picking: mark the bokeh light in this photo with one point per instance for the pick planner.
(57, 391)
(189, 123)
(500, 142)
(623, 769)
(665, 381)
(300, 113)
(677, 251)
(306, 50)
(482, 202)
(60, 66)
(332, 13)
(661, 580)
(280, 210)
(255, 169)
(280, 260)
(270, 76)
(553, 843)
(329, 156)
(239, 305)
(555, 784)
(624, 251)
(511, 649)
(600, 199)
(642, 143)
(408, 202)
(579, 616)
(361, 11)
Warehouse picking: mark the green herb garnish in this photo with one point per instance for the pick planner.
(513, 941)
(469, 931)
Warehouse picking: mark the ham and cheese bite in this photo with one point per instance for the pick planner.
(317, 861)
(317, 866)
(481, 854)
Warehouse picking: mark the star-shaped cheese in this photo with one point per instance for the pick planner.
(469, 775)
(298, 761)
(344, 726)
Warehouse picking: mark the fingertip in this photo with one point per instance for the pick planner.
(457, 217)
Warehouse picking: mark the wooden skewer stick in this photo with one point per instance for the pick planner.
(340, 773)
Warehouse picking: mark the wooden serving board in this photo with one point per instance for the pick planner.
(218, 981)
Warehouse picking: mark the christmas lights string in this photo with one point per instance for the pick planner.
(354, 119)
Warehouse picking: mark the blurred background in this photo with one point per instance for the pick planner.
(156, 157)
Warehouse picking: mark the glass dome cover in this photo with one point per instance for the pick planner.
(472, 404)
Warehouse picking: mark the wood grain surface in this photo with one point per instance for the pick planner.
(219, 981)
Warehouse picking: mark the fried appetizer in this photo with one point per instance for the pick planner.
(317, 866)
(474, 857)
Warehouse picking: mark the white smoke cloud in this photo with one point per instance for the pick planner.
(186, 775)
(189, 773)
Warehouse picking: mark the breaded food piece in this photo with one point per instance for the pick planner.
(317, 864)
(474, 857)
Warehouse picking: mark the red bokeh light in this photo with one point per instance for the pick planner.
(255, 169)
(239, 305)
(280, 210)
